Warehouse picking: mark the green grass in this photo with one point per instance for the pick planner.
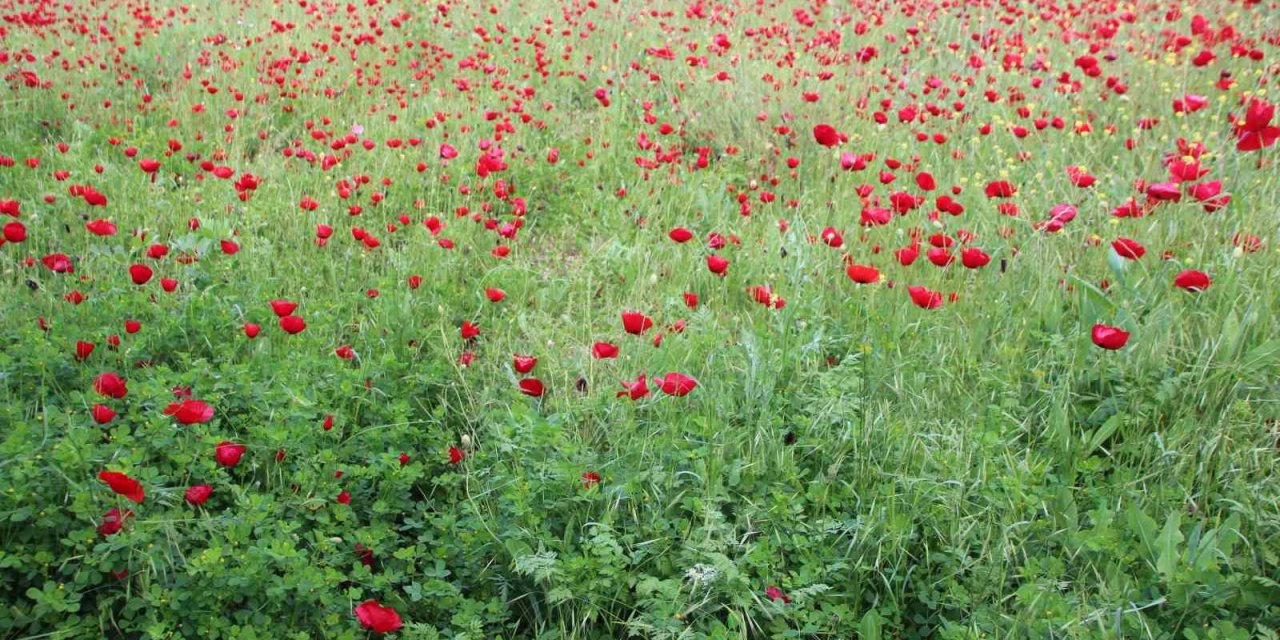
(977, 470)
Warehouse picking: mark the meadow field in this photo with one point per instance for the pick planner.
(593, 319)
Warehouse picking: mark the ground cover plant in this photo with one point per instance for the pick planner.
(594, 319)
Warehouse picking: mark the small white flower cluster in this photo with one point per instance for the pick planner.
(701, 574)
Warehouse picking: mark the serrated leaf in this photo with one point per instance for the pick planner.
(558, 595)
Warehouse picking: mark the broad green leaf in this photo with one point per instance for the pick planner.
(1145, 527)
(1168, 543)
(1101, 434)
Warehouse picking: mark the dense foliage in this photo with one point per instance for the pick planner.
(585, 319)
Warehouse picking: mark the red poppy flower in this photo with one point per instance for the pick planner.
(100, 227)
(1183, 171)
(140, 274)
(717, 264)
(124, 485)
(1165, 192)
(251, 330)
(469, 331)
(198, 494)
(113, 521)
(924, 298)
(293, 324)
(1192, 280)
(456, 455)
(974, 258)
(940, 257)
(775, 594)
(590, 478)
(1109, 337)
(110, 385)
(190, 411)
(635, 389)
(365, 553)
(1080, 178)
(532, 387)
(1129, 248)
(1254, 131)
(676, 384)
(228, 454)
(283, 308)
(1000, 189)
(875, 216)
(495, 295)
(765, 296)
(947, 205)
(376, 617)
(1247, 243)
(15, 232)
(102, 414)
(83, 349)
(93, 198)
(58, 263)
(826, 135)
(680, 235)
(1210, 195)
(636, 323)
(602, 350)
(863, 274)
(832, 238)
(524, 364)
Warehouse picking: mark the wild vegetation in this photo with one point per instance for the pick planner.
(587, 319)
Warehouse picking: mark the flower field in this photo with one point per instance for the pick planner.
(603, 319)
